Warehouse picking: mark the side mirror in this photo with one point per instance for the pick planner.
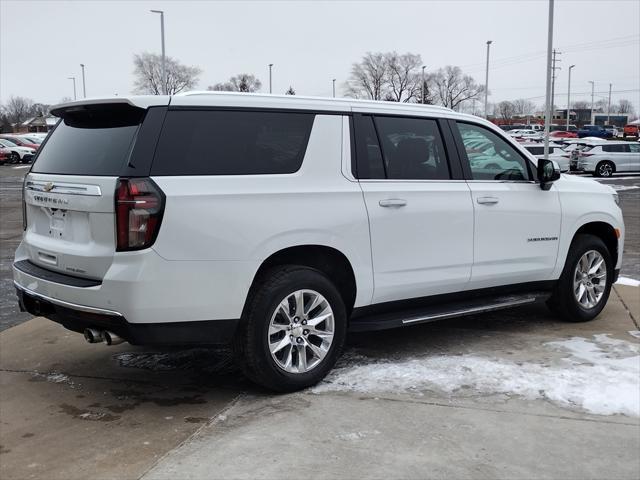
(548, 172)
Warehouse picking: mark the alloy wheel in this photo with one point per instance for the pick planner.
(590, 279)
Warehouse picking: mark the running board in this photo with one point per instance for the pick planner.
(431, 313)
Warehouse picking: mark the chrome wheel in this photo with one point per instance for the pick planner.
(301, 331)
(590, 279)
(605, 170)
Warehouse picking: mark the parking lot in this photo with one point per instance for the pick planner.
(514, 394)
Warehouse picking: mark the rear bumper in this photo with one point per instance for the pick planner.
(77, 318)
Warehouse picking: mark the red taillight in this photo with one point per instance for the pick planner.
(139, 207)
(581, 154)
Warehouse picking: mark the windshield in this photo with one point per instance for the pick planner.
(7, 143)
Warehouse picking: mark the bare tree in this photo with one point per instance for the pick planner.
(524, 107)
(403, 79)
(369, 77)
(506, 110)
(243, 82)
(290, 91)
(148, 73)
(625, 107)
(580, 105)
(18, 109)
(453, 87)
(40, 109)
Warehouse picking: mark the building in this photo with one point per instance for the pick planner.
(36, 124)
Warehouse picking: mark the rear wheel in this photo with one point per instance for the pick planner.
(14, 157)
(604, 169)
(585, 283)
(293, 329)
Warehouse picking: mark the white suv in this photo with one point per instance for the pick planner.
(607, 158)
(277, 224)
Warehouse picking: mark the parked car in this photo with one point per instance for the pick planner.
(18, 153)
(525, 134)
(573, 148)
(612, 129)
(594, 131)
(603, 160)
(556, 153)
(563, 134)
(5, 155)
(630, 130)
(297, 221)
(20, 141)
(563, 128)
(32, 139)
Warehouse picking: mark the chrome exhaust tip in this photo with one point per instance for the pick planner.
(110, 338)
(92, 335)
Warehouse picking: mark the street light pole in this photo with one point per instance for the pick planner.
(569, 96)
(547, 117)
(609, 107)
(270, 78)
(423, 67)
(84, 85)
(75, 97)
(592, 86)
(486, 81)
(164, 59)
(334, 87)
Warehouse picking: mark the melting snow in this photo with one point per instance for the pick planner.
(601, 376)
(628, 281)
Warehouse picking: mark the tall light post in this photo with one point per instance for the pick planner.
(270, 78)
(75, 97)
(609, 107)
(334, 87)
(164, 59)
(547, 117)
(84, 85)
(486, 82)
(592, 87)
(423, 67)
(569, 96)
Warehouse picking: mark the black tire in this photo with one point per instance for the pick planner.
(563, 302)
(14, 157)
(604, 169)
(251, 348)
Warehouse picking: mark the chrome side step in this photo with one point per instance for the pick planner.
(441, 311)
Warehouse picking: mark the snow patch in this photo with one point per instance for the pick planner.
(621, 188)
(628, 281)
(600, 376)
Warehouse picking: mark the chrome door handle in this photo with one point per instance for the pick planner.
(392, 202)
(487, 200)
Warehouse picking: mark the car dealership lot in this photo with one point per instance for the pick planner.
(513, 394)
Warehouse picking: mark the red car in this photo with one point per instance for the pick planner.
(563, 134)
(631, 130)
(5, 155)
(21, 142)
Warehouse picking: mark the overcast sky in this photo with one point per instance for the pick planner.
(43, 42)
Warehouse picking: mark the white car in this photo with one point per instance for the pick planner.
(18, 154)
(556, 153)
(603, 160)
(526, 135)
(278, 224)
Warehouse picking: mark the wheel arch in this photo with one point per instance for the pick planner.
(603, 230)
(328, 260)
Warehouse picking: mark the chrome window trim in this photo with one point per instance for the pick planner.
(64, 188)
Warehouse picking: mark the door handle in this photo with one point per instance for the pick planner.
(487, 200)
(392, 202)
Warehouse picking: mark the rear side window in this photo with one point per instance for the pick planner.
(537, 150)
(91, 141)
(216, 142)
(613, 148)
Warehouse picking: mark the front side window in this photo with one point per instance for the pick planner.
(491, 157)
(217, 142)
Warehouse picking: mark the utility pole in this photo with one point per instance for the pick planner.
(486, 81)
(423, 67)
(334, 87)
(164, 60)
(270, 78)
(553, 79)
(592, 87)
(547, 119)
(84, 85)
(75, 97)
(609, 107)
(569, 97)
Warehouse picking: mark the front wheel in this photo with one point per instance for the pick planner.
(584, 286)
(293, 329)
(15, 157)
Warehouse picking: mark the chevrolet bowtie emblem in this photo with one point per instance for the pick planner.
(48, 187)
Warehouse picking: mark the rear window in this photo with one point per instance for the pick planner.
(90, 141)
(216, 142)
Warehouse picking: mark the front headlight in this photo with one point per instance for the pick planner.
(616, 198)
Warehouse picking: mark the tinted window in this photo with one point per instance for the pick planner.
(231, 143)
(91, 142)
(634, 147)
(537, 150)
(369, 155)
(613, 148)
(491, 157)
(412, 149)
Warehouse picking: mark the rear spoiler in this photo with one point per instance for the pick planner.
(142, 102)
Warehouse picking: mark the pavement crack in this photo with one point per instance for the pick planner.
(633, 319)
